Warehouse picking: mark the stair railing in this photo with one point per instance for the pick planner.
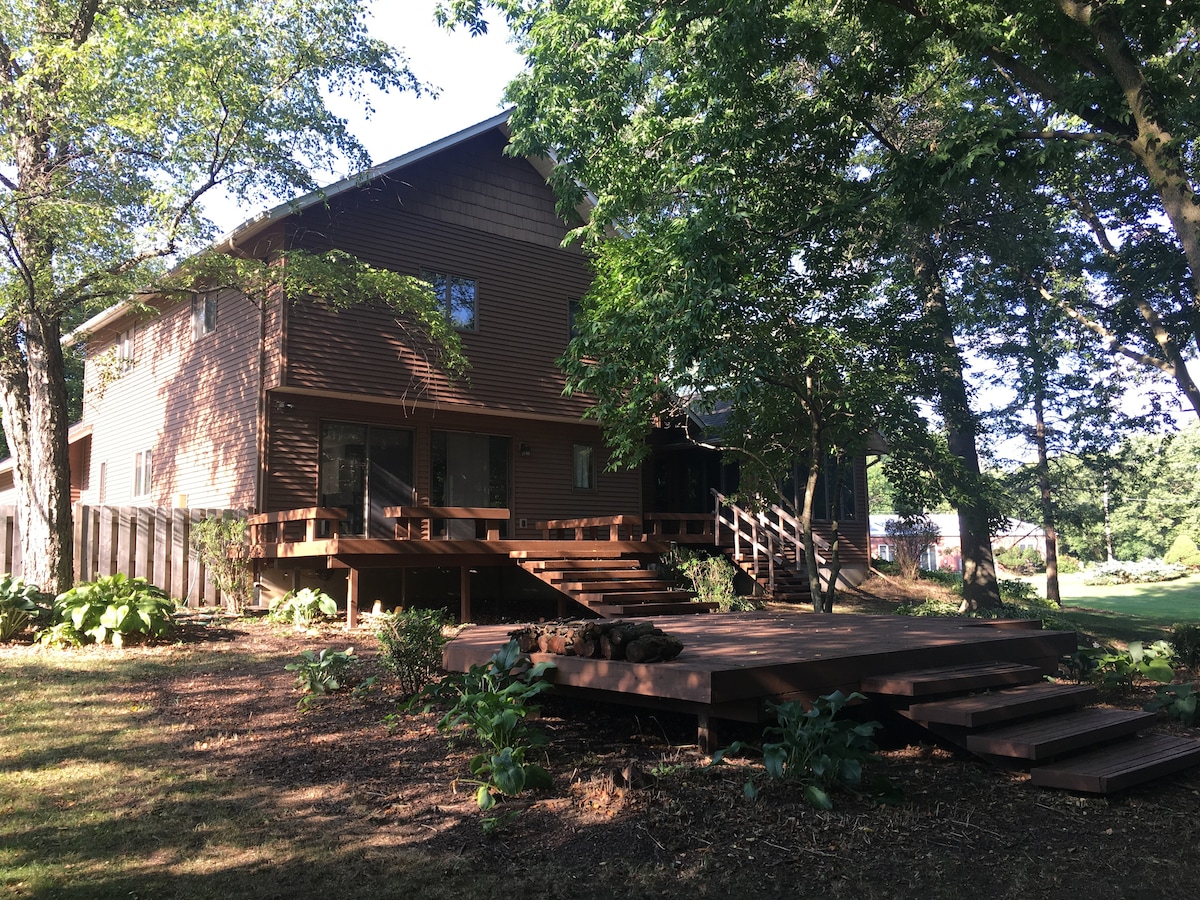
(777, 535)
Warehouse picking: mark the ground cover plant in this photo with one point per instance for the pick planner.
(184, 770)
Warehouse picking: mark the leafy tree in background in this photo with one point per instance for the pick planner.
(116, 119)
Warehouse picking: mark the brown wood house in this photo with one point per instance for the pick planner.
(338, 423)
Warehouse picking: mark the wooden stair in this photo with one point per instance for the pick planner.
(791, 580)
(614, 587)
(1004, 711)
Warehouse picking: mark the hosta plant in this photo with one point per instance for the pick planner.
(318, 674)
(115, 608)
(303, 607)
(21, 605)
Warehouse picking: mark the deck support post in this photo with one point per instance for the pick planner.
(351, 598)
(404, 588)
(706, 732)
(464, 594)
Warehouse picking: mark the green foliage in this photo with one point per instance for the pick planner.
(815, 748)
(21, 606)
(1178, 700)
(1183, 551)
(1185, 642)
(1144, 572)
(1025, 561)
(928, 607)
(910, 535)
(1119, 669)
(220, 542)
(492, 701)
(1013, 590)
(115, 608)
(1068, 565)
(303, 607)
(711, 578)
(319, 674)
(410, 646)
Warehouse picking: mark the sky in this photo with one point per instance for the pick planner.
(469, 72)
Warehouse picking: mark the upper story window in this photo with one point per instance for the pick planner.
(204, 313)
(457, 296)
(125, 351)
(573, 308)
(584, 456)
(143, 472)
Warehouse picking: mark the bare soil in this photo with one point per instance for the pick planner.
(634, 811)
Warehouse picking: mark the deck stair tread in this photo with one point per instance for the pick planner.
(652, 609)
(1049, 736)
(1120, 765)
(951, 679)
(1002, 704)
(617, 587)
(622, 575)
(555, 565)
(635, 596)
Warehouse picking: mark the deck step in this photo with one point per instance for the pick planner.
(949, 679)
(634, 596)
(1002, 705)
(1121, 765)
(606, 587)
(1053, 735)
(555, 565)
(652, 609)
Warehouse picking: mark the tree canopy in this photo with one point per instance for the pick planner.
(117, 118)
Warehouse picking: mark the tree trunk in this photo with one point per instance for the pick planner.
(980, 588)
(1043, 474)
(35, 422)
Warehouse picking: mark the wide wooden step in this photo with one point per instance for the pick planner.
(560, 575)
(574, 564)
(951, 679)
(605, 587)
(1120, 765)
(652, 609)
(1053, 735)
(1002, 705)
(637, 596)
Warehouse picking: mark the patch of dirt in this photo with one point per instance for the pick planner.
(635, 812)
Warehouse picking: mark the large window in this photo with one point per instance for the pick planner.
(364, 470)
(457, 296)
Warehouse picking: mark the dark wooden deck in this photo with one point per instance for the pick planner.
(734, 664)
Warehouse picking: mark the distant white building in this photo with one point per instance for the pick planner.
(947, 552)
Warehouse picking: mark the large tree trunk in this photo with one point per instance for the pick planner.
(35, 411)
(980, 588)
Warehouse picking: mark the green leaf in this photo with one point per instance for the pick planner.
(817, 797)
(507, 775)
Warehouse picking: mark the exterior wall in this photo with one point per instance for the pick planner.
(541, 483)
(470, 212)
(191, 400)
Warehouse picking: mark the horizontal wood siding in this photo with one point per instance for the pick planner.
(192, 401)
(524, 284)
(541, 483)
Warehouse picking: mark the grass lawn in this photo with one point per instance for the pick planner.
(1129, 611)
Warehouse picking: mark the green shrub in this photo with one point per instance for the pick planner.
(1069, 565)
(303, 607)
(115, 608)
(712, 580)
(1119, 669)
(1185, 641)
(1184, 552)
(220, 542)
(1027, 561)
(1014, 590)
(410, 646)
(929, 607)
(21, 605)
(815, 748)
(493, 702)
(946, 578)
(1178, 700)
(319, 674)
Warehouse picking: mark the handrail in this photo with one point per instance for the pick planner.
(272, 527)
(422, 518)
(771, 535)
(579, 527)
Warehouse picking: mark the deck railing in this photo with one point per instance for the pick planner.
(774, 536)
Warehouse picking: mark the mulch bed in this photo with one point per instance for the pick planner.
(634, 812)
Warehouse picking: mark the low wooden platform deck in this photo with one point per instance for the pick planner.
(734, 664)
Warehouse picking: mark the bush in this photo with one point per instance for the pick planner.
(410, 646)
(220, 542)
(910, 535)
(21, 605)
(1144, 572)
(1026, 561)
(1068, 565)
(319, 674)
(303, 607)
(115, 608)
(1185, 641)
(1184, 552)
(928, 608)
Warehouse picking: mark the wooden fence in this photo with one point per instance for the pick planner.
(143, 541)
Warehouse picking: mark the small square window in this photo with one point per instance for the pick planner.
(585, 467)
(457, 297)
(204, 313)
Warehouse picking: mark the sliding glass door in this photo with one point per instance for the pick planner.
(364, 469)
(469, 470)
